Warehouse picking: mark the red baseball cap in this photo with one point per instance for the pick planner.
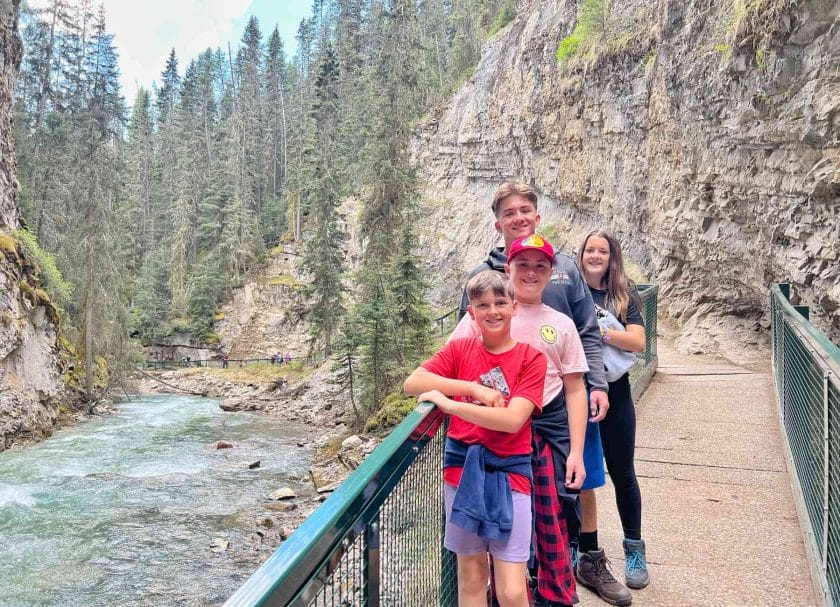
(534, 242)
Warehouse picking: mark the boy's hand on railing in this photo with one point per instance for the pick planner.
(489, 397)
(444, 403)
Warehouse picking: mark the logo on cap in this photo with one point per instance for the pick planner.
(533, 241)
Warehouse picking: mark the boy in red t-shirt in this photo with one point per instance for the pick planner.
(497, 383)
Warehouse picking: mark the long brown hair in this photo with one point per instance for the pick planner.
(618, 285)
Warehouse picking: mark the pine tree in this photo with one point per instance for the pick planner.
(387, 312)
(139, 156)
(93, 243)
(250, 107)
(275, 83)
(408, 288)
(323, 253)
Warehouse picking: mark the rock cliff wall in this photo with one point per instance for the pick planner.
(705, 134)
(30, 378)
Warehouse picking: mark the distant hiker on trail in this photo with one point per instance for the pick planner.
(274, 359)
(288, 358)
(225, 360)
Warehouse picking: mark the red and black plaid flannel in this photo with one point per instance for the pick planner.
(555, 577)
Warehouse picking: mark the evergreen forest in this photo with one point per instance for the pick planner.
(145, 212)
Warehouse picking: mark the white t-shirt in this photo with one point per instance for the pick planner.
(549, 331)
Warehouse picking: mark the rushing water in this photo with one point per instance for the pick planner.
(122, 510)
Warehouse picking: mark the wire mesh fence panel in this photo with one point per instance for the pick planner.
(414, 564)
(344, 580)
(833, 535)
(807, 380)
(803, 395)
(647, 360)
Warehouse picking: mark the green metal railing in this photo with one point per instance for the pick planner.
(378, 539)
(806, 369)
(647, 360)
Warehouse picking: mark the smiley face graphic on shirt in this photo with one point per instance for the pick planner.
(548, 334)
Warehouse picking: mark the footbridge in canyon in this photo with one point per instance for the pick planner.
(739, 470)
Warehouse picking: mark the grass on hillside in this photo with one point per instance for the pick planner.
(258, 371)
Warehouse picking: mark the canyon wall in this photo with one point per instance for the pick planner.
(705, 134)
(30, 376)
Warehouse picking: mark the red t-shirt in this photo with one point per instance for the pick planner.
(523, 369)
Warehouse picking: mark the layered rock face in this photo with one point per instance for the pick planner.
(705, 135)
(30, 380)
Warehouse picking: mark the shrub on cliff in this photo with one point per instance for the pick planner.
(46, 269)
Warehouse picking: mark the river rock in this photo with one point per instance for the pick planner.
(328, 488)
(282, 506)
(283, 493)
(242, 403)
(255, 464)
(220, 444)
(352, 442)
(219, 544)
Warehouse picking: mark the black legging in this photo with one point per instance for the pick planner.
(618, 436)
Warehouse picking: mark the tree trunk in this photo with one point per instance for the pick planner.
(89, 329)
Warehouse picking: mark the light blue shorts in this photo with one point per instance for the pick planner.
(593, 458)
(516, 550)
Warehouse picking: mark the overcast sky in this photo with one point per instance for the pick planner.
(145, 31)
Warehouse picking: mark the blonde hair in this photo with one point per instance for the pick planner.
(618, 285)
(489, 280)
(513, 188)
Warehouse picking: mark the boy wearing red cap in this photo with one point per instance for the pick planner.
(559, 437)
(498, 384)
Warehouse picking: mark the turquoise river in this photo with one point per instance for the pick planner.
(122, 510)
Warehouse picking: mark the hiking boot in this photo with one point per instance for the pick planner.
(593, 572)
(635, 564)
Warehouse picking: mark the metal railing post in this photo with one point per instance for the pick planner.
(372, 563)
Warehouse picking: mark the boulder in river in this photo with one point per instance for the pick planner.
(219, 544)
(220, 444)
(283, 493)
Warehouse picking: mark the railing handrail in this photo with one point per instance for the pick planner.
(818, 340)
(806, 378)
(282, 577)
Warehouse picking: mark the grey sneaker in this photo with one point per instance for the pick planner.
(635, 565)
(594, 573)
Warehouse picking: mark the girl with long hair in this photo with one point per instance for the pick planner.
(615, 299)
